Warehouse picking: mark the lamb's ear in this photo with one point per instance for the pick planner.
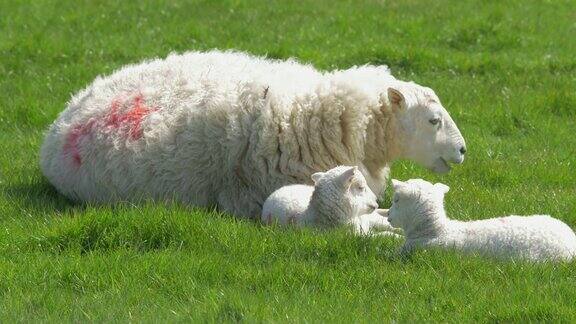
(396, 98)
(316, 176)
(442, 187)
(397, 184)
(348, 176)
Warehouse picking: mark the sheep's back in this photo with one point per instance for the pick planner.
(537, 237)
(286, 203)
(164, 128)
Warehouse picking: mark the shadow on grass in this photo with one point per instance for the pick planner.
(39, 196)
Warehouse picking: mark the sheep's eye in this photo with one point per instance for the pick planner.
(396, 199)
(434, 121)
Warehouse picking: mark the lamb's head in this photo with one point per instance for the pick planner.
(342, 193)
(424, 131)
(417, 205)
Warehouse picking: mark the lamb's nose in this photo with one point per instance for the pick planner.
(463, 150)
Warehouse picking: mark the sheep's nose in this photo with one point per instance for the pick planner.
(373, 206)
(463, 150)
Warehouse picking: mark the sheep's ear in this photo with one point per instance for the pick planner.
(316, 176)
(442, 187)
(348, 175)
(396, 98)
(397, 184)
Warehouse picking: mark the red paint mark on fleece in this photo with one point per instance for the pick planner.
(132, 118)
(127, 122)
(74, 138)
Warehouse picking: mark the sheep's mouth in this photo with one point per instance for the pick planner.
(442, 166)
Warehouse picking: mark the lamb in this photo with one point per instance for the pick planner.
(226, 129)
(340, 196)
(418, 208)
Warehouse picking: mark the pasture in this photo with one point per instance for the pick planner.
(506, 72)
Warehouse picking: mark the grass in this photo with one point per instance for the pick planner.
(505, 71)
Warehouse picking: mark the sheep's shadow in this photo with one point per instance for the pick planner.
(39, 196)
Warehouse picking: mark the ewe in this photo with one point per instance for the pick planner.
(418, 208)
(340, 196)
(227, 129)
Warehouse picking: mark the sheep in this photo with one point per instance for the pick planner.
(418, 208)
(226, 129)
(340, 196)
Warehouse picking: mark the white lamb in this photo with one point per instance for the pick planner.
(418, 208)
(228, 128)
(340, 196)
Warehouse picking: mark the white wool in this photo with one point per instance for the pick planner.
(418, 208)
(228, 128)
(339, 196)
(375, 223)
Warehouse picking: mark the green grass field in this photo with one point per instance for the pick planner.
(506, 71)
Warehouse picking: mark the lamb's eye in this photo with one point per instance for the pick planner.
(396, 199)
(434, 121)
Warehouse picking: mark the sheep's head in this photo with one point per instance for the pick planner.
(342, 192)
(417, 204)
(424, 130)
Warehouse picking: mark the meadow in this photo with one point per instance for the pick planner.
(505, 70)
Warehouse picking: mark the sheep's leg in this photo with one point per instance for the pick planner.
(239, 202)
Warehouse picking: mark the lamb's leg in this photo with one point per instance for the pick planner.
(379, 221)
(368, 223)
(388, 234)
(359, 227)
(405, 250)
(382, 212)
